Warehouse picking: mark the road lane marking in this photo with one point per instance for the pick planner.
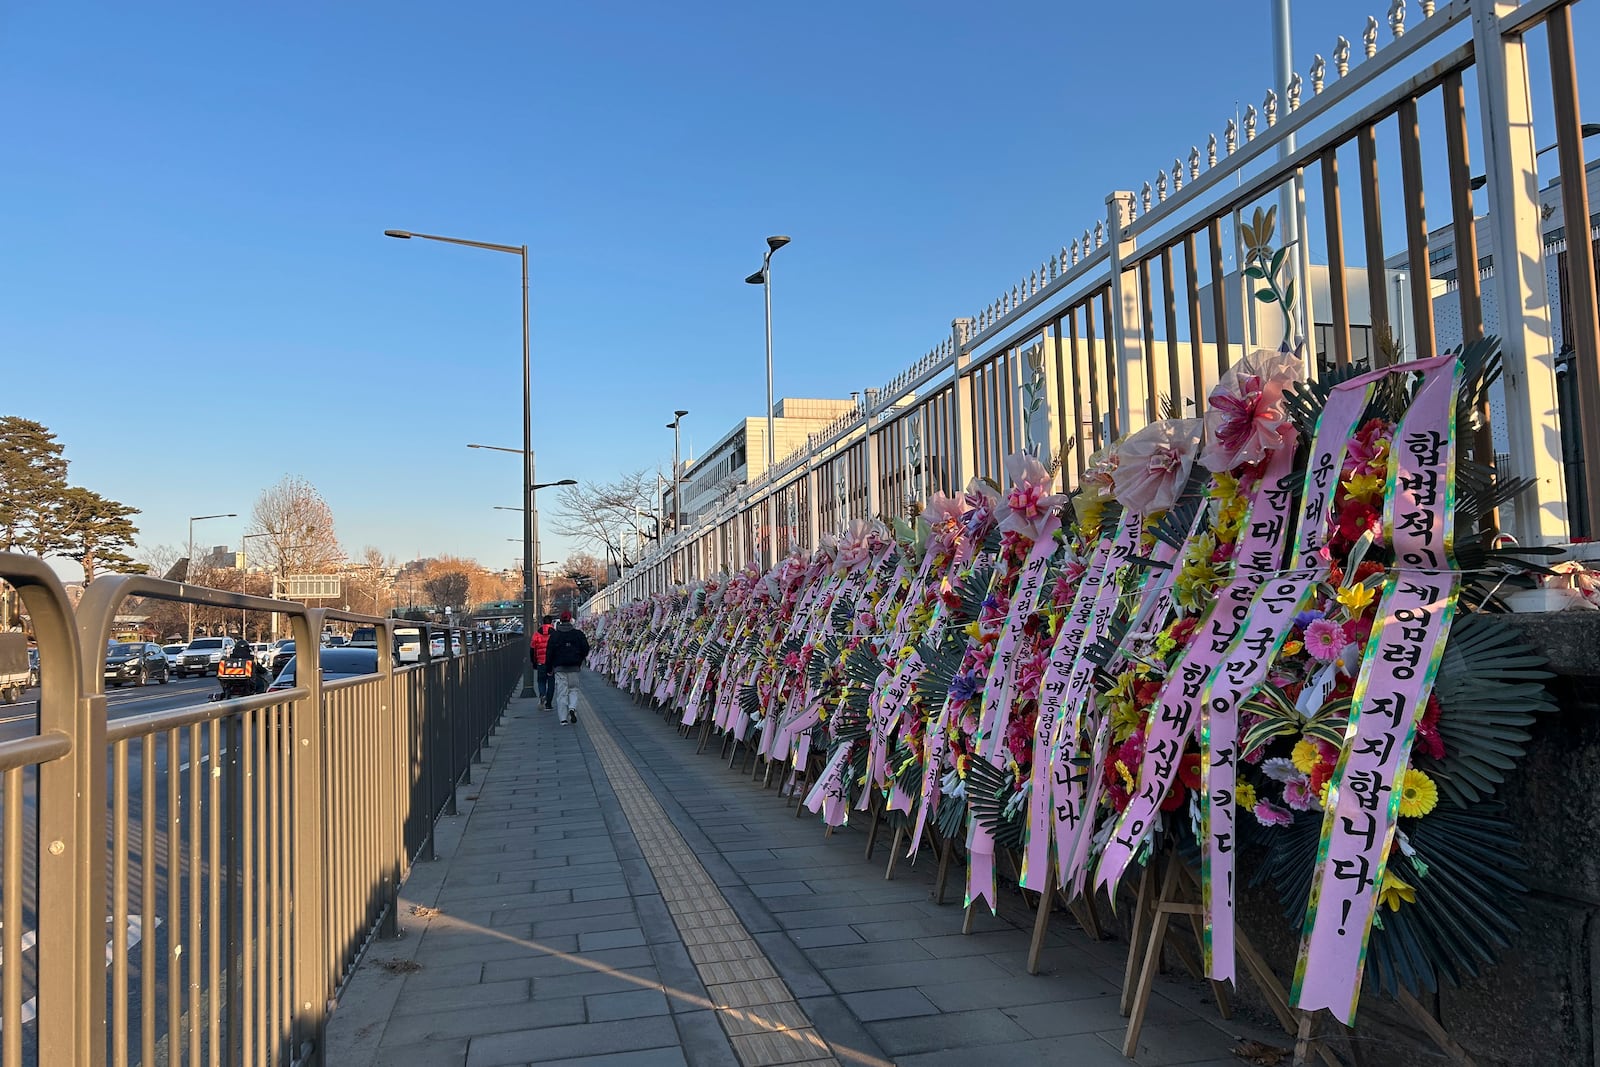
(30, 1007)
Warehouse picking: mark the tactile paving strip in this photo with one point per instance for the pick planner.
(765, 1026)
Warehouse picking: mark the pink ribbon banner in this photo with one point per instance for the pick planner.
(1000, 685)
(1398, 669)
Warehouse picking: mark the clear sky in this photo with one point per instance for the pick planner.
(196, 295)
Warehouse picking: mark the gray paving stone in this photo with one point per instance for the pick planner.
(414, 1027)
(586, 924)
(967, 1030)
(650, 1057)
(607, 1006)
(1075, 1052)
(861, 955)
(591, 982)
(545, 965)
(968, 971)
(610, 939)
(569, 1042)
(877, 1004)
(704, 1042)
(417, 998)
(820, 936)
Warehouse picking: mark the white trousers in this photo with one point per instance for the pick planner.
(567, 692)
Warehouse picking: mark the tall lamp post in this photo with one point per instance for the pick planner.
(677, 487)
(530, 525)
(529, 683)
(763, 278)
(189, 566)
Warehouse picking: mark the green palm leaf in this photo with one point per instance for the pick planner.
(1490, 686)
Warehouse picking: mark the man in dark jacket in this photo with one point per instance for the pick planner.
(565, 652)
(536, 649)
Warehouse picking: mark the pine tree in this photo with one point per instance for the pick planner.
(95, 533)
(33, 481)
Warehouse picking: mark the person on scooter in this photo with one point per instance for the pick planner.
(241, 655)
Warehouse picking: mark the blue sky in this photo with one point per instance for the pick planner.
(195, 280)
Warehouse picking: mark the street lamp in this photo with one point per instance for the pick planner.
(529, 686)
(189, 565)
(530, 525)
(763, 278)
(677, 503)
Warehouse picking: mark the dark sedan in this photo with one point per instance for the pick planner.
(136, 663)
(336, 663)
(281, 655)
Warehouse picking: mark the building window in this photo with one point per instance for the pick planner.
(1360, 347)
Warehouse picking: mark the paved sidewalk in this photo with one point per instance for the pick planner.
(606, 896)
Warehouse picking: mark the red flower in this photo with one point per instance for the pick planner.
(1428, 739)
(1189, 770)
(1356, 518)
(1175, 798)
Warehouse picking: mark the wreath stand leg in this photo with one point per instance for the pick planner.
(946, 847)
(1434, 1029)
(1171, 902)
(874, 820)
(1143, 916)
(894, 852)
(705, 735)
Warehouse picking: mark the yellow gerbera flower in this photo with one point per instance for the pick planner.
(1305, 756)
(1244, 794)
(1292, 648)
(1356, 597)
(1395, 891)
(1418, 794)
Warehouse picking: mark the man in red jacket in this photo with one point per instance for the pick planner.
(536, 649)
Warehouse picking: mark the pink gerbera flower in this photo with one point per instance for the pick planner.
(1269, 814)
(1325, 640)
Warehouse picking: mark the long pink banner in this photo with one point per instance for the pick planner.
(1397, 673)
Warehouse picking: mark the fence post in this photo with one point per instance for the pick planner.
(1519, 284)
(311, 957)
(964, 462)
(71, 806)
(869, 411)
(394, 770)
(1124, 327)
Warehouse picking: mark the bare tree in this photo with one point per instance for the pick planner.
(296, 528)
(581, 565)
(613, 516)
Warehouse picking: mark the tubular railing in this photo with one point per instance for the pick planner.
(1142, 313)
(202, 880)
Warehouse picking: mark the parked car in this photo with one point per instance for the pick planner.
(201, 656)
(172, 652)
(282, 652)
(336, 663)
(136, 663)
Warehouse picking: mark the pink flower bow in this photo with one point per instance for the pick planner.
(1245, 420)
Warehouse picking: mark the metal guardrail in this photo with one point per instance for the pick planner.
(244, 851)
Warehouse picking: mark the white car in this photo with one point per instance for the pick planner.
(436, 646)
(202, 655)
(262, 651)
(407, 644)
(172, 652)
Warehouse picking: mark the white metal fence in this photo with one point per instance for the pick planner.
(1411, 163)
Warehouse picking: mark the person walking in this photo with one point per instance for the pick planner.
(565, 652)
(537, 649)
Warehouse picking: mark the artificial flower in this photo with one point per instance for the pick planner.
(1395, 890)
(1418, 794)
(1292, 647)
(1244, 795)
(1356, 598)
(1245, 419)
(1269, 814)
(1189, 770)
(1297, 793)
(1325, 640)
(1028, 506)
(1279, 768)
(1363, 487)
(1305, 756)
(1153, 464)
